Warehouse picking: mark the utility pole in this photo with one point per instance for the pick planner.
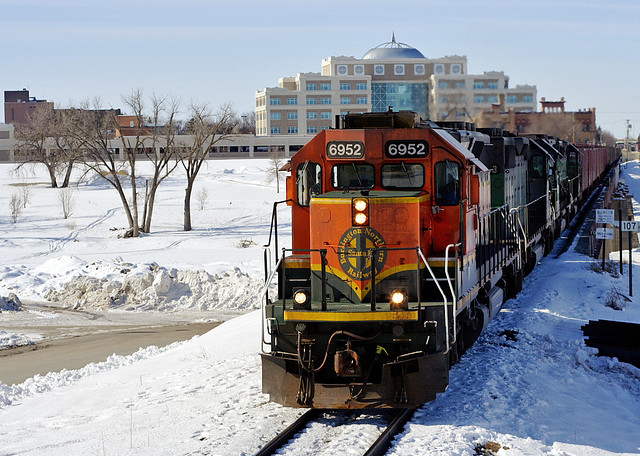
(626, 140)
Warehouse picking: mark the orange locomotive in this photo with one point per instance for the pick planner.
(398, 262)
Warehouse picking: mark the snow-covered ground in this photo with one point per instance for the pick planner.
(529, 384)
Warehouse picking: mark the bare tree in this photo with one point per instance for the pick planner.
(607, 138)
(276, 161)
(553, 124)
(15, 205)
(205, 129)
(151, 137)
(157, 143)
(202, 196)
(67, 142)
(67, 201)
(25, 194)
(94, 128)
(34, 140)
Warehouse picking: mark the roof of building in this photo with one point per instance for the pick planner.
(393, 50)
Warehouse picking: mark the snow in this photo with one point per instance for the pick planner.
(529, 383)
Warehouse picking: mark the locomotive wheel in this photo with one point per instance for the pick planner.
(472, 327)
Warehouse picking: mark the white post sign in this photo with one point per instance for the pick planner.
(604, 233)
(605, 216)
(630, 225)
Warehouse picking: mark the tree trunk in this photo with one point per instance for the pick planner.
(52, 176)
(149, 209)
(135, 229)
(67, 176)
(187, 206)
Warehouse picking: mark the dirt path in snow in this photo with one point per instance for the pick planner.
(18, 364)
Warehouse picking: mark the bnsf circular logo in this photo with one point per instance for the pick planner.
(355, 253)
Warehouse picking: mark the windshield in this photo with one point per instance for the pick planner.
(353, 176)
(403, 175)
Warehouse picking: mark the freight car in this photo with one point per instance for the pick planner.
(407, 237)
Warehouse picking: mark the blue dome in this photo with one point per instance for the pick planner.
(393, 51)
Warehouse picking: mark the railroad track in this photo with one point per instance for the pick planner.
(396, 421)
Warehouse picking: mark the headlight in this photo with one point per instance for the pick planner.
(301, 297)
(360, 218)
(360, 211)
(360, 204)
(398, 300)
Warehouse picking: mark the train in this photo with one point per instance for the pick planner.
(407, 237)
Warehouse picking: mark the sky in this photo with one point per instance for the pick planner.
(217, 52)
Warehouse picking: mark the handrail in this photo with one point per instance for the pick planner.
(454, 297)
(263, 306)
(524, 237)
(444, 297)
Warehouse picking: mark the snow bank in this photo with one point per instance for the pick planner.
(161, 289)
(11, 302)
(11, 340)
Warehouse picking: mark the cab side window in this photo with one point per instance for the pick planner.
(446, 183)
(308, 181)
(537, 167)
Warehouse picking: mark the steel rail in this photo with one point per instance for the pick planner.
(281, 439)
(381, 446)
(378, 448)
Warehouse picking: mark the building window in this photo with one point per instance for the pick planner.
(345, 100)
(312, 115)
(492, 98)
(456, 68)
(312, 130)
(292, 116)
(325, 100)
(275, 101)
(460, 114)
(362, 100)
(512, 98)
(311, 86)
(276, 130)
(325, 86)
(361, 86)
(586, 126)
(478, 99)
(311, 101)
(443, 100)
(292, 130)
(324, 128)
(460, 85)
(325, 115)
(345, 86)
(276, 116)
(292, 101)
(527, 99)
(443, 84)
(478, 85)
(402, 96)
(492, 85)
(398, 69)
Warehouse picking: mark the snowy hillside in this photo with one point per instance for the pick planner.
(529, 383)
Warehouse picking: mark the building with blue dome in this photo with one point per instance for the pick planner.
(391, 75)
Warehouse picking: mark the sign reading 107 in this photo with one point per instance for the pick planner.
(406, 148)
